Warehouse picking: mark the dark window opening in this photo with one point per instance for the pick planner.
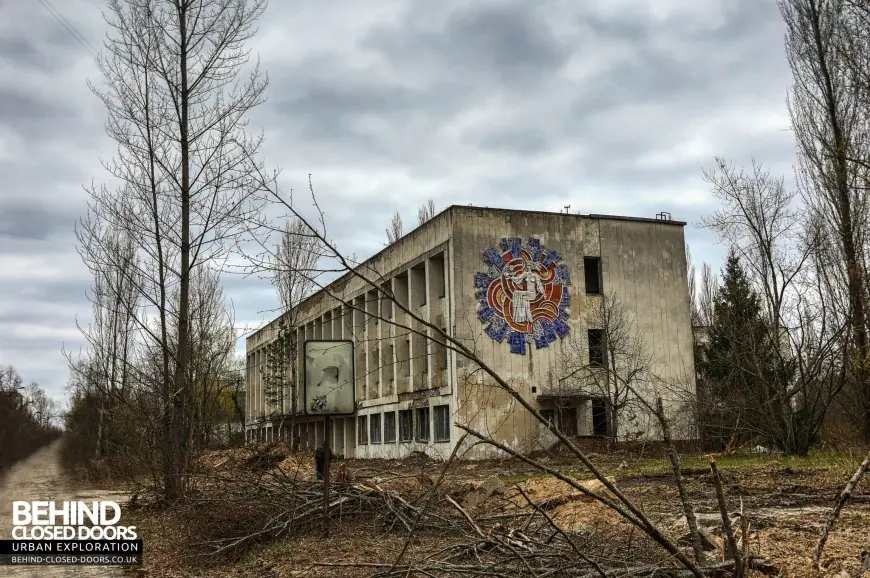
(592, 273)
(390, 427)
(422, 424)
(438, 280)
(362, 435)
(568, 421)
(406, 430)
(596, 347)
(442, 423)
(599, 417)
(375, 428)
(548, 415)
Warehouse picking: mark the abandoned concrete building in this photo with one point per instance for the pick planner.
(520, 289)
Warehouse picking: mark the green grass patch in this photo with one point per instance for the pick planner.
(839, 466)
(833, 463)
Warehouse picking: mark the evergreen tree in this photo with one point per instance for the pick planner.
(736, 327)
(744, 370)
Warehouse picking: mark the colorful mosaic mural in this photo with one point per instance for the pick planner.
(524, 294)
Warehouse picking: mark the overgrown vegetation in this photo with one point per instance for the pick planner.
(477, 520)
(785, 336)
(27, 418)
(176, 92)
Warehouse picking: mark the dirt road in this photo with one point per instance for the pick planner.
(40, 477)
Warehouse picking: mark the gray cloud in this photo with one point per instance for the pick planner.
(506, 43)
(610, 107)
(23, 218)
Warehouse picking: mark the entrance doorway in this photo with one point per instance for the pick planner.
(568, 421)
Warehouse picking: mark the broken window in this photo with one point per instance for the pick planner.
(406, 430)
(592, 272)
(375, 428)
(442, 423)
(596, 347)
(390, 427)
(362, 435)
(422, 424)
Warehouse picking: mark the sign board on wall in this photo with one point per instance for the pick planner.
(329, 378)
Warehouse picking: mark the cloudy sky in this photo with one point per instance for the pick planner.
(610, 107)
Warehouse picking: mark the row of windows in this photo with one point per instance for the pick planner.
(414, 425)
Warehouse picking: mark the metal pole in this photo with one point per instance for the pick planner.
(326, 465)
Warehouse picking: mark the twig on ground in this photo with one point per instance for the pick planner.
(723, 509)
(838, 506)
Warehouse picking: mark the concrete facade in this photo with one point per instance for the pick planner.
(511, 285)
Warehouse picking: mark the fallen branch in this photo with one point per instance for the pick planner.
(688, 509)
(630, 512)
(838, 506)
(723, 509)
(465, 515)
(756, 563)
(562, 533)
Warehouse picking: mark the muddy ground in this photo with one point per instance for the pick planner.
(785, 500)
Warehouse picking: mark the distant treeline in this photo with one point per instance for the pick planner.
(26, 418)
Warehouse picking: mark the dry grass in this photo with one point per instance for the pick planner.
(786, 500)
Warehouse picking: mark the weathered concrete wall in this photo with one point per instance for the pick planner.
(481, 403)
(393, 368)
(644, 265)
(433, 271)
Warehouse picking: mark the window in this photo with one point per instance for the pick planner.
(592, 272)
(596, 347)
(442, 423)
(422, 424)
(375, 428)
(362, 434)
(406, 431)
(548, 415)
(390, 427)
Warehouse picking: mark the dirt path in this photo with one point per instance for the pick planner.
(40, 477)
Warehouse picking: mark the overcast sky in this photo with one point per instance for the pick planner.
(610, 107)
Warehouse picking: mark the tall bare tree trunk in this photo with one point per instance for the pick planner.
(829, 116)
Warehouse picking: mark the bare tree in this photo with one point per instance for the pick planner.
(110, 335)
(789, 360)
(43, 408)
(212, 341)
(426, 211)
(26, 417)
(701, 293)
(706, 295)
(693, 287)
(394, 231)
(613, 368)
(237, 387)
(294, 260)
(176, 103)
(702, 296)
(829, 113)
